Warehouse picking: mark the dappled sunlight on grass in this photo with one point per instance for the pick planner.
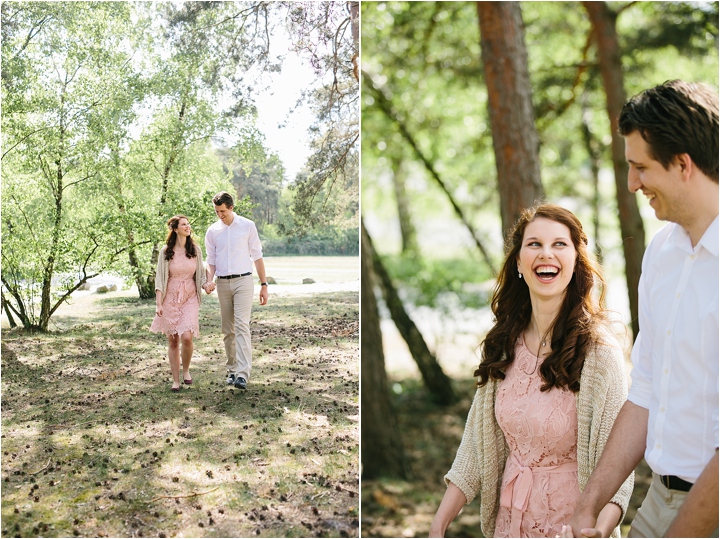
(279, 459)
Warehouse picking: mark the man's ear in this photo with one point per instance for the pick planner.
(686, 164)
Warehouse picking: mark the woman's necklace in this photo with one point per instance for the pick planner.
(542, 340)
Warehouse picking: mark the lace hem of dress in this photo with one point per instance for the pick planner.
(182, 329)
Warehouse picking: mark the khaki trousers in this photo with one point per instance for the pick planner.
(657, 511)
(235, 297)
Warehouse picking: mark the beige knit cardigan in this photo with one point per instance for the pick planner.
(163, 271)
(483, 452)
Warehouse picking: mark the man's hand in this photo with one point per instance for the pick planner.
(263, 295)
(583, 525)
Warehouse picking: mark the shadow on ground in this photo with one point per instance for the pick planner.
(94, 443)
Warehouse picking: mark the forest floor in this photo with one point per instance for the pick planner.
(397, 508)
(95, 444)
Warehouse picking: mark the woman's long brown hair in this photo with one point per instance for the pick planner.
(173, 223)
(574, 329)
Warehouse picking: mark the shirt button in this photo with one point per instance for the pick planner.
(659, 446)
(665, 371)
(692, 257)
(669, 332)
(662, 410)
(677, 295)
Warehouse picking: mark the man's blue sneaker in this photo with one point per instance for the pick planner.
(240, 382)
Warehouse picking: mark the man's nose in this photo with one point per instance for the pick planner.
(633, 181)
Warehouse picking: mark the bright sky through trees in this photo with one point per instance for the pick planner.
(284, 125)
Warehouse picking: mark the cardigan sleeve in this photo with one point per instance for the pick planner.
(616, 391)
(200, 275)
(160, 271)
(465, 471)
(616, 396)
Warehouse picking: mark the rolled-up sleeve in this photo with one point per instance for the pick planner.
(253, 243)
(210, 247)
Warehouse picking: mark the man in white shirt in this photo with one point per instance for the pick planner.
(232, 245)
(671, 415)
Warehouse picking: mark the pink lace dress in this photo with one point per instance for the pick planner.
(180, 304)
(540, 485)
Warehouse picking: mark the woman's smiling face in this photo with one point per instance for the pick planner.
(547, 258)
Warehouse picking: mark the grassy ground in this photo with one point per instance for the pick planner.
(392, 508)
(94, 443)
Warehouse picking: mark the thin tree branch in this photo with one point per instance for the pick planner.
(386, 107)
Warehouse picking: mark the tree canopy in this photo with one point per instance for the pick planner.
(118, 115)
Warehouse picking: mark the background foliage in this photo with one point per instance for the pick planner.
(425, 58)
(118, 115)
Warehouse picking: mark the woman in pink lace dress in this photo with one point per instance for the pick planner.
(551, 382)
(179, 278)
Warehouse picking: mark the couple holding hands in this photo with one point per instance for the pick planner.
(553, 434)
(232, 245)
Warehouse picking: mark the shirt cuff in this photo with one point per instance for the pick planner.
(640, 394)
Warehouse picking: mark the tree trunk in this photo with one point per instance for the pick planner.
(133, 260)
(146, 286)
(354, 8)
(57, 187)
(6, 307)
(593, 151)
(407, 229)
(515, 139)
(381, 446)
(631, 225)
(436, 381)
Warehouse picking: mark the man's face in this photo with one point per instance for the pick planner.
(224, 213)
(663, 188)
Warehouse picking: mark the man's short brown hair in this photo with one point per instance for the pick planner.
(223, 198)
(674, 118)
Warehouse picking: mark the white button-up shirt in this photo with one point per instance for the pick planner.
(675, 357)
(232, 249)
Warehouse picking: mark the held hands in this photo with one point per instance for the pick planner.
(567, 531)
(582, 527)
(209, 287)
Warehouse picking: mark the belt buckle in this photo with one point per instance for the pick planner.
(665, 480)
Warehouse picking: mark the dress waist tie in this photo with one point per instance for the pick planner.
(516, 494)
(184, 291)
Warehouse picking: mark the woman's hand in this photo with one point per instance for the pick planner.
(567, 531)
(592, 532)
(158, 310)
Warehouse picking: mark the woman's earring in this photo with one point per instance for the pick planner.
(519, 275)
